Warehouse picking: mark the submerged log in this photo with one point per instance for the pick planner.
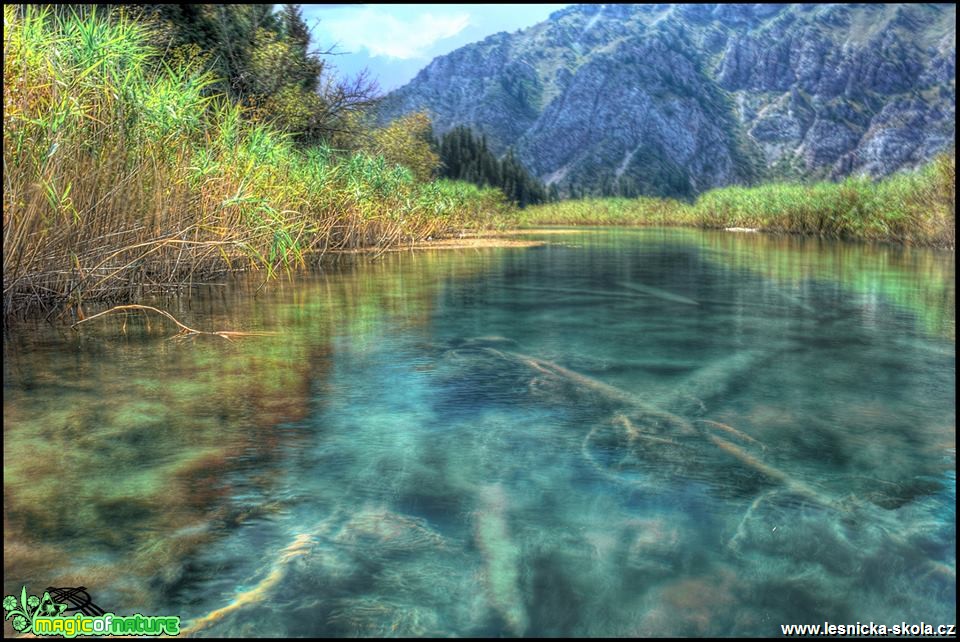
(300, 546)
(741, 527)
(682, 426)
(715, 380)
(634, 434)
(732, 431)
(657, 292)
(637, 450)
(789, 483)
(583, 382)
(570, 291)
(501, 558)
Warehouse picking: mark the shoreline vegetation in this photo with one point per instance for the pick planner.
(127, 175)
(124, 176)
(915, 208)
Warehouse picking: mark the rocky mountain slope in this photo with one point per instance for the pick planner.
(677, 99)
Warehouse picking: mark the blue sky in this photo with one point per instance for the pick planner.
(396, 41)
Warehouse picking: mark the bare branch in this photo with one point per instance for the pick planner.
(184, 330)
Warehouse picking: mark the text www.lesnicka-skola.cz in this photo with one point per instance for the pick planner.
(870, 628)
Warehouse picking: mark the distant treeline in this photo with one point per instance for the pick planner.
(465, 156)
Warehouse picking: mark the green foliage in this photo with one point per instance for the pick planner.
(123, 172)
(607, 211)
(466, 157)
(407, 141)
(228, 32)
(914, 208)
(263, 59)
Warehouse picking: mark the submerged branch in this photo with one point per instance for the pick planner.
(793, 485)
(733, 431)
(184, 329)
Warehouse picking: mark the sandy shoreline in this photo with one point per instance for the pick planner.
(483, 239)
(470, 242)
(465, 243)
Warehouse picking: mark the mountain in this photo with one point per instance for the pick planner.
(677, 99)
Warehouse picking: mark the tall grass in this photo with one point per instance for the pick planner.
(911, 208)
(123, 174)
(607, 211)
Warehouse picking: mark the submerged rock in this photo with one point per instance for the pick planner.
(374, 617)
(380, 531)
(700, 606)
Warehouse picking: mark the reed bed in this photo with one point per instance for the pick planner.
(607, 211)
(916, 208)
(125, 175)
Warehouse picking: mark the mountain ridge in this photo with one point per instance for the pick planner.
(672, 100)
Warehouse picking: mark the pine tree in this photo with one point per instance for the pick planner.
(465, 156)
(307, 68)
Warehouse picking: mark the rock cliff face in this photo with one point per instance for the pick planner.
(677, 99)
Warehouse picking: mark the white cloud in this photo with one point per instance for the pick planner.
(383, 34)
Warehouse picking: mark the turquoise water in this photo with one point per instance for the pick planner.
(635, 432)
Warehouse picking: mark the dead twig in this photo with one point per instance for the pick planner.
(184, 330)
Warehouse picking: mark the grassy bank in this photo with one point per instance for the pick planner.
(124, 174)
(912, 208)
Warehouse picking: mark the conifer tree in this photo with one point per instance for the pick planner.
(465, 156)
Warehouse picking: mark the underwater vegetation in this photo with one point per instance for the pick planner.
(475, 444)
(793, 535)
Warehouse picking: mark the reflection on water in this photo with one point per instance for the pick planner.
(638, 432)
